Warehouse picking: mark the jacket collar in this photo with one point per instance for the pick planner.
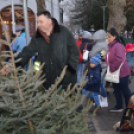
(55, 30)
(84, 40)
(112, 43)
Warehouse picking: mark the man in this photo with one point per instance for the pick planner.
(56, 47)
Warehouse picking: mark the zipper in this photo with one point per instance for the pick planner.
(50, 61)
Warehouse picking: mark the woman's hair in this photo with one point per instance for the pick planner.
(113, 32)
(122, 41)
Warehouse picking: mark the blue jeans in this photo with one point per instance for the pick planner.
(93, 95)
(103, 92)
(80, 69)
(122, 88)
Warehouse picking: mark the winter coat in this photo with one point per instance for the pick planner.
(94, 79)
(81, 45)
(61, 51)
(99, 38)
(84, 42)
(116, 55)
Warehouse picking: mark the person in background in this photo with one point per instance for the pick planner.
(99, 39)
(84, 39)
(20, 42)
(13, 36)
(116, 56)
(85, 42)
(7, 47)
(108, 84)
(129, 47)
(94, 80)
(99, 46)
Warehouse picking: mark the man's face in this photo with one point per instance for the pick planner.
(44, 23)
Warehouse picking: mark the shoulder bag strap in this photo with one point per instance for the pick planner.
(85, 48)
(120, 64)
(107, 58)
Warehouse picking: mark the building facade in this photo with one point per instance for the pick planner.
(6, 12)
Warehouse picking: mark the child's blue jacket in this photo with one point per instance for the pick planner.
(94, 79)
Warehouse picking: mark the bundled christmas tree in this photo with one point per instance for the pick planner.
(25, 109)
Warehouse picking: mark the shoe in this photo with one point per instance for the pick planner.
(107, 89)
(115, 110)
(103, 102)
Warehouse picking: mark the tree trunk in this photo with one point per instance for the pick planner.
(117, 18)
(40, 5)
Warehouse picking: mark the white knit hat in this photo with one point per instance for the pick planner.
(86, 34)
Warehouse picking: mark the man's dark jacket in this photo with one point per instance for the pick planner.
(61, 51)
(89, 45)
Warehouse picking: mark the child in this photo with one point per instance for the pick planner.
(94, 80)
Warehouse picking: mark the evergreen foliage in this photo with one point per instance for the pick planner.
(129, 12)
(88, 13)
(96, 14)
(25, 109)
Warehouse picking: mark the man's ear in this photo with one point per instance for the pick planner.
(50, 20)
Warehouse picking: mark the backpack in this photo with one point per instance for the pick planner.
(130, 54)
(130, 59)
(127, 120)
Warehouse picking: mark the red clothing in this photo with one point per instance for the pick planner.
(129, 47)
(79, 41)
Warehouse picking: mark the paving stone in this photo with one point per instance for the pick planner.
(104, 121)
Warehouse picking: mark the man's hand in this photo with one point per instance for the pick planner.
(5, 70)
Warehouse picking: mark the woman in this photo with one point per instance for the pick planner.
(107, 86)
(116, 56)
